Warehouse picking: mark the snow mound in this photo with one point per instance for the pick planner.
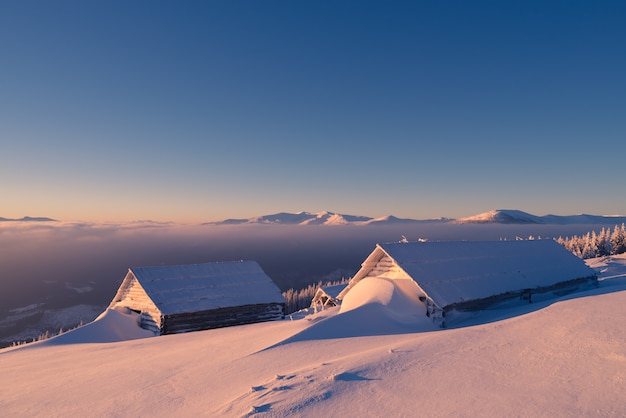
(112, 325)
(375, 306)
(399, 297)
(610, 267)
(613, 264)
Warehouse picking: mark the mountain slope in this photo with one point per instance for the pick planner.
(28, 219)
(511, 216)
(552, 358)
(503, 216)
(322, 218)
(500, 216)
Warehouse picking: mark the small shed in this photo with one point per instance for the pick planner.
(326, 296)
(471, 275)
(176, 299)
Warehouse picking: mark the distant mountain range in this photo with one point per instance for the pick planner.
(509, 216)
(500, 216)
(321, 218)
(28, 219)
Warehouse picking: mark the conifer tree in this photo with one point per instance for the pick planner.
(594, 244)
(618, 239)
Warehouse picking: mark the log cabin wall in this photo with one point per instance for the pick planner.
(223, 317)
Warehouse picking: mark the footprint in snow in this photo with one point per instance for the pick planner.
(349, 377)
(284, 377)
(260, 408)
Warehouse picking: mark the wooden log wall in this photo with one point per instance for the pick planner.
(223, 317)
(387, 268)
(479, 304)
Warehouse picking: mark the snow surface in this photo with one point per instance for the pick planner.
(199, 287)
(374, 356)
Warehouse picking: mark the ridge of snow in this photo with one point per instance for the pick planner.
(498, 216)
(300, 218)
(112, 325)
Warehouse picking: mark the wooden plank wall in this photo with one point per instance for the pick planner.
(479, 304)
(387, 268)
(134, 297)
(224, 317)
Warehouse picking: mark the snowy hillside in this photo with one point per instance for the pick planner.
(377, 355)
(512, 216)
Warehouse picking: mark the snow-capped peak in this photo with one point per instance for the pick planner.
(503, 216)
(499, 216)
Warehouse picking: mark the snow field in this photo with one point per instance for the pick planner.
(558, 358)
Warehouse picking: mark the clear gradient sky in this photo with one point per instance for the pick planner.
(197, 111)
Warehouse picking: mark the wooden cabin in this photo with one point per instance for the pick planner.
(176, 299)
(471, 275)
(326, 296)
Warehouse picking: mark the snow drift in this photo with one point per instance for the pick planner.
(119, 324)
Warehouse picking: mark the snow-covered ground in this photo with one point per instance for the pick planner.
(377, 355)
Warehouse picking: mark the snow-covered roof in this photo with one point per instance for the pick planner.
(333, 291)
(460, 271)
(200, 287)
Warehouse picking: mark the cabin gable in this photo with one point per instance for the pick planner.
(379, 264)
(133, 296)
(327, 296)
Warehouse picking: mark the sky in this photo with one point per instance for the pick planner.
(199, 111)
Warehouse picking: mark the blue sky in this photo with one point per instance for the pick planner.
(198, 111)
